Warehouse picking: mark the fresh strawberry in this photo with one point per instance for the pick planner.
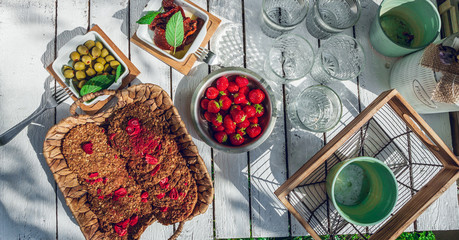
(209, 116)
(222, 83)
(238, 116)
(260, 110)
(212, 93)
(204, 103)
(243, 124)
(242, 81)
(256, 96)
(218, 128)
(225, 102)
(229, 124)
(218, 120)
(253, 120)
(250, 111)
(236, 139)
(87, 147)
(244, 90)
(233, 87)
(221, 137)
(235, 107)
(223, 93)
(240, 99)
(240, 131)
(253, 130)
(213, 107)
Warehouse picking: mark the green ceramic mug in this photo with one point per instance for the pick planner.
(363, 190)
(404, 26)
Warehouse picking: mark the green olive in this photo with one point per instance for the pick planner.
(75, 56)
(90, 72)
(95, 52)
(101, 60)
(107, 67)
(109, 58)
(69, 73)
(99, 67)
(80, 75)
(79, 66)
(104, 52)
(99, 45)
(114, 64)
(66, 67)
(83, 50)
(89, 44)
(86, 59)
(81, 83)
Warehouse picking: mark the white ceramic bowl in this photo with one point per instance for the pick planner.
(63, 58)
(146, 35)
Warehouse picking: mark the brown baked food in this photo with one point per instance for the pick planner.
(111, 189)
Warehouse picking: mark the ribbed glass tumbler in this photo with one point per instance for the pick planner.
(281, 16)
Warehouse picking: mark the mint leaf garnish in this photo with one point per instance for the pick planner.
(97, 83)
(149, 17)
(174, 30)
(119, 71)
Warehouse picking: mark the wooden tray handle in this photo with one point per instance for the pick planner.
(420, 132)
(88, 97)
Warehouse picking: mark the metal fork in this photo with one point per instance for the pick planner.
(207, 56)
(50, 99)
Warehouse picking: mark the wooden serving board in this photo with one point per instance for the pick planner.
(185, 66)
(133, 72)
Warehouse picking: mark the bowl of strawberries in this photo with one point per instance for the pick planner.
(233, 110)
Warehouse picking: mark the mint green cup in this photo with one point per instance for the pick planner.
(404, 26)
(363, 190)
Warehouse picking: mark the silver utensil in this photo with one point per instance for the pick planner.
(207, 56)
(50, 99)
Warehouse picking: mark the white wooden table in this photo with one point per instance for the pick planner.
(31, 207)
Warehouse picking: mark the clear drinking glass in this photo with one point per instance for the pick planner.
(290, 58)
(317, 108)
(339, 58)
(329, 17)
(280, 16)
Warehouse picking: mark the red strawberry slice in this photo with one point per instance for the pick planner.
(132, 130)
(93, 175)
(250, 111)
(244, 90)
(222, 83)
(133, 221)
(151, 159)
(253, 130)
(242, 81)
(155, 170)
(164, 209)
(243, 124)
(218, 120)
(212, 93)
(134, 122)
(161, 195)
(144, 195)
(236, 139)
(204, 103)
(240, 99)
(233, 87)
(120, 231)
(209, 116)
(121, 192)
(164, 183)
(221, 137)
(260, 110)
(213, 107)
(173, 194)
(238, 116)
(256, 96)
(87, 147)
(225, 102)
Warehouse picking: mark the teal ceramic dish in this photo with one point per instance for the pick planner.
(363, 190)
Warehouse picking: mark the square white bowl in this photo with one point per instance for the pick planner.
(63, 58)
(146, 35)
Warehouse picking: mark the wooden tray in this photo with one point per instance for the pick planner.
(423, 165)
(185, 66)
(75, 194)
(133, 72)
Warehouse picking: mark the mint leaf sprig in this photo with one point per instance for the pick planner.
(149, 17)
(175, 32)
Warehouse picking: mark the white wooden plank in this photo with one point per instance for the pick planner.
(268, 167)
(72, 20)
(156, 72)
(27, 199)
(232, 215)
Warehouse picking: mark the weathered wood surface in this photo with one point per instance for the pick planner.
(244, 205)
